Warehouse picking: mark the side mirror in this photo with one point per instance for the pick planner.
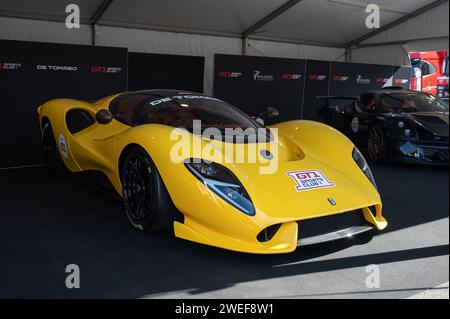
(260, 121)
(104, 117)
(270, 113)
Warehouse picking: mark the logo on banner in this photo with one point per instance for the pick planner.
(289, 76)
(105, 69)
(258, 76)
(310, 179)
(382, 80)
(401, 81)
(362, 81)
(231, 75)
(340, 78)
(316, 77)
(10, 66)
(69, 68)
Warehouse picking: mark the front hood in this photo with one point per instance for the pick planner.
(435, 122)
(274, 188)
(340, 190)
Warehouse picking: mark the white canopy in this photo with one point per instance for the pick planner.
(315, 29)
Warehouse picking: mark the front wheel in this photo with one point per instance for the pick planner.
(376, 144)
(146, 201)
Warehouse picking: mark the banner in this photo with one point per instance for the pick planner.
(352, 79)
(317, 84)
(402, 76)
(254, 83)
(161, 71)
(32, 73)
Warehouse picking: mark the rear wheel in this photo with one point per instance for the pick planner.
(376, 145)
(52, 158)
(146, 201)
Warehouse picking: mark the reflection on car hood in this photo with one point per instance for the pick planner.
(435, 122)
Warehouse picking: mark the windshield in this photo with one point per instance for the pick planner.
(413, 102)
(179, 111)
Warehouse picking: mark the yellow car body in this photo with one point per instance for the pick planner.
(301, 145)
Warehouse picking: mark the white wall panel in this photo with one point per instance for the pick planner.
(292, 50)
(426, 32)
(431, 24)
(149, 41)
(388, 55)
(43, 31)
(427, 45)
(171, 43)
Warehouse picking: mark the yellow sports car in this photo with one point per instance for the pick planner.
(214, 174)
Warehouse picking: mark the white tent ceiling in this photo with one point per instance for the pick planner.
(335, 23)
(302, 29)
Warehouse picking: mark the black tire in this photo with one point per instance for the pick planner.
(146, 201)
(52, 157)
(377, 143)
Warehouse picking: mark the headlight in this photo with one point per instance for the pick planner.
(222, 181)
(407, 132)
(361, 161)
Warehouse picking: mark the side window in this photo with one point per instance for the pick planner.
(77, 120)
(367, 102)
(427, 68)
(432, 68)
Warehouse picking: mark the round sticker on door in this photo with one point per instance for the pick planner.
(63, 146)
(355, 125)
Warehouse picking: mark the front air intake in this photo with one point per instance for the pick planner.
(329, 224)
(268, 233)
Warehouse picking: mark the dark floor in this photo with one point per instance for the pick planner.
(48, 222)
(20, 155)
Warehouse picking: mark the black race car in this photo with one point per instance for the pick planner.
(392, 124)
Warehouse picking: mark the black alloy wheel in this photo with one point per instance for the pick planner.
(376, 145)
(137, 190)
(146, 201)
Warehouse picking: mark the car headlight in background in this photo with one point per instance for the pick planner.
(408, 129)
(222, 181)
(362, 163)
